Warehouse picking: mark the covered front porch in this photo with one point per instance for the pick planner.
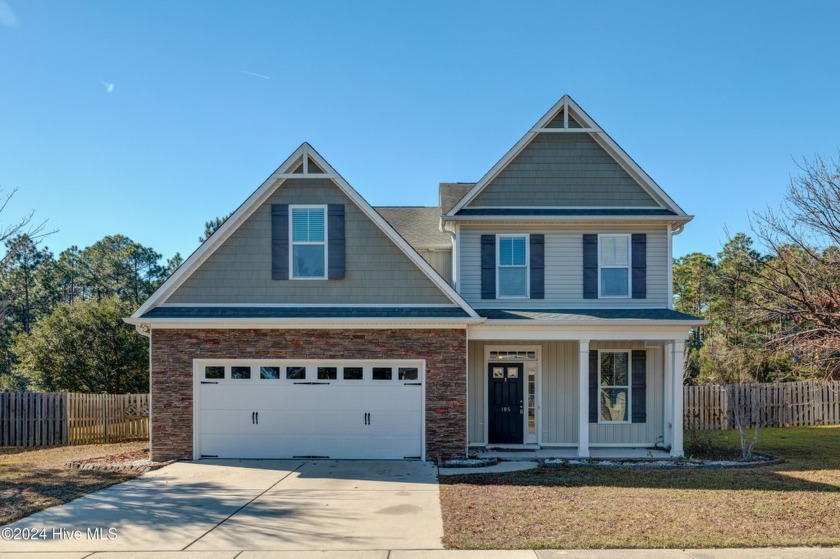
(558, 392)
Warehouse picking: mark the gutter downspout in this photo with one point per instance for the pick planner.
(145, 330)
(454, 236)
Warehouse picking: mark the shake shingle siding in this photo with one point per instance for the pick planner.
(563, 170)
(377, 271)
(564, 267)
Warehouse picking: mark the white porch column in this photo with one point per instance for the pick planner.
(677, 428)
(583, 399)
(667, 393)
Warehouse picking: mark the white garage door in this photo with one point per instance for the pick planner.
(305, 408)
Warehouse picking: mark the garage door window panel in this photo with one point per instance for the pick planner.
(409, 373)
(353, 373)
(382, 373)
(238, 372)
(327, 373)
(214, 373)
(270, 373)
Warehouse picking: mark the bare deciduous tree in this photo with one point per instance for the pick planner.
(748, 410)
(799, 287)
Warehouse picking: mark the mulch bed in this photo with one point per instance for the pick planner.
(133, 461)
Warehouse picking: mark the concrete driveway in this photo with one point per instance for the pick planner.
(249, 504)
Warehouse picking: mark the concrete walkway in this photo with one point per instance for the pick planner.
(753, 553)
(233, 505)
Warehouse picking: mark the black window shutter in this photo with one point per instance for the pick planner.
(537, 247)
(280, 241)
(593, 386)
(335, 241)
(590, 266)
(638, 379)
(488, 266)
(639, 257)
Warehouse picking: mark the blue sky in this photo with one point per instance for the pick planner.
(146, 118)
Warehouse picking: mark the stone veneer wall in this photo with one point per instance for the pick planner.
(173, 352)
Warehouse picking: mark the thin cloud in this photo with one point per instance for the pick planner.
(7, 16)
(245, 72)
(109, 86)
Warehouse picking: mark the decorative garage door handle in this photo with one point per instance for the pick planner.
(367, 418)
(253, 418)
(258, 418)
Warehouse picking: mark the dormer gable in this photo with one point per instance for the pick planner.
(565, 164)
(262, 256)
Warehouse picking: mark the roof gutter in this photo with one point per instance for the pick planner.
(604, 322)
(574, 218)
(302, 323)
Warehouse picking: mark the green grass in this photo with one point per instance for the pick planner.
(793, 503)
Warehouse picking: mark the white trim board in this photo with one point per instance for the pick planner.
(311, 305)
(566, 104)
(260, 195)
(305, 323)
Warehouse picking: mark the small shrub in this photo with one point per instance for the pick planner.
(702, 444)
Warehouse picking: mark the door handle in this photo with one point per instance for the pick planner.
(258, 417)
(253, 415)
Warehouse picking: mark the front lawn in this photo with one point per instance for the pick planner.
(34, 478)
(796, 503)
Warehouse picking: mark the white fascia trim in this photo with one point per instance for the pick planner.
(303, 323)
(596, 132)
(309, 306)
(682, 219)
(570, 207)
(259, 196)
(497, 331)
(610, 322)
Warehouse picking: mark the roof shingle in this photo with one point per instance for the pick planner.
(418, 225)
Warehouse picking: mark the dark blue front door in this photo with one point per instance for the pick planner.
(506, 403)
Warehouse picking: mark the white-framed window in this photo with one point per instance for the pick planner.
(614, 265)
(512, 274)
(614, 386)
(308, 242)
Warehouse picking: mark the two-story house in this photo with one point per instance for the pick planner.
(529, 310)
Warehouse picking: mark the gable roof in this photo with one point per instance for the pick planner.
(567, 116)
(286, 170)
(418, 225)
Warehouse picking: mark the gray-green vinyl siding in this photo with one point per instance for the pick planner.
(559, 394)
(440, 260)
(377, 271)
(566, 170)
(564, 267)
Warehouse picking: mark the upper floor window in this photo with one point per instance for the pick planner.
(614, 265)
(308, 239)
(512, 267)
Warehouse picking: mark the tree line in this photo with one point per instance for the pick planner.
(62, 325)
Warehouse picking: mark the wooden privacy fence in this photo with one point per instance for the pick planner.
(786, 404)
(54, 418)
